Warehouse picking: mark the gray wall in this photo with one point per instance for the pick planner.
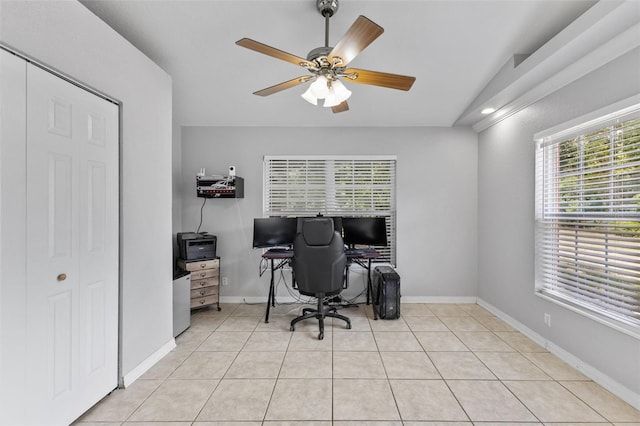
(506, 222)
(436, 199)
(68, 37)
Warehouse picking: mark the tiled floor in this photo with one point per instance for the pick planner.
(438, 364)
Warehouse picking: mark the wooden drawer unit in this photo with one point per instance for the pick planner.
(205, 281)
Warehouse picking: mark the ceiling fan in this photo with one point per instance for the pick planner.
(328, 65)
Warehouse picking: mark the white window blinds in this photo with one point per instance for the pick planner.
(588, 216)
(333, 186)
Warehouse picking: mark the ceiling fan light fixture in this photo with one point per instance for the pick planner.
(309, 97)
(337, 94)
(320, 87)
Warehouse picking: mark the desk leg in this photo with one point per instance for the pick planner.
(272, 297)
(370, 291)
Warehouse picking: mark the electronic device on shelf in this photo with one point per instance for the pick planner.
(274, 231)
(196, 246)
(368, 231)
(220, 186)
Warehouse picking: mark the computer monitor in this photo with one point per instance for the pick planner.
(370, 231)
(274, 231)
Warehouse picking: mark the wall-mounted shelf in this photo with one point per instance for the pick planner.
(219, 187)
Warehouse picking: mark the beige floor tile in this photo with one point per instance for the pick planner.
(554, 366)
(474, 310)
(408, 365)
(433, 341)
(238, 400)
(175, 400)
(167, 365)
(519, 341)
(276, 323)
(479, 341)
(301, 399)
(152, 424)
(205, 322)
(190, 339)
(403, 341)
(204, 365)
(225, 341)
(358, 365)
(426, 400)
(292, 423)
(388, 325)
(224, 424)
(250, 310)
(550, 402)
(354, 341)
(493, 323)
(439, 424)
(447, 310)
(307, 365)
(263, 341)
(462, 324)
(415, 309)
(256, 365)
(357, 399)
(489, 401)
(358, 323)
(308, 341)
(240, 323)
(460, 365)
(425, 323)
(366, 423)
(603, 401)
(121, 403)
(511, 366)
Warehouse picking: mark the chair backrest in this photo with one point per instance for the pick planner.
(319, 259)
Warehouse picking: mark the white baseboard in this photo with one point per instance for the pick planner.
(145, 365)
(588, 370)
(404, 299)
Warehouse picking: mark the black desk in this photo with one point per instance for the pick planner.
(280, 258)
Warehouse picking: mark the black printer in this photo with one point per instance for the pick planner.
(196, 246)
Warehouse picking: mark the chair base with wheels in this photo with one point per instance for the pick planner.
(320, 314)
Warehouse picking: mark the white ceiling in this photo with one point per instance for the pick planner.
(453, 48)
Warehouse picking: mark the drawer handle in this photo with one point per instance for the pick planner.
(203, 274)
(202, 302)
(203, 265)
(202, 292)
(61, 277)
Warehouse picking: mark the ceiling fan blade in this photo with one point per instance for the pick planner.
(273, 52)
(383, 79)
(360, 35)
(283, 86)
(340, 107)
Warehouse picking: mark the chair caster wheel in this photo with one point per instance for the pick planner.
(320, 336)
(292, 328)
(348, 326)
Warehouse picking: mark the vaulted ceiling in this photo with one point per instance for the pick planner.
(453, 48)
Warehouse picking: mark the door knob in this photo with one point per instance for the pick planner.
(62, 277)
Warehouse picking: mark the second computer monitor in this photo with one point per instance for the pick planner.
(370, 231)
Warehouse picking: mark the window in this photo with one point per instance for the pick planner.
(588, 216)
(333, 186)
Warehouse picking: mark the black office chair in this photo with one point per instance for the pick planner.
(319, 264)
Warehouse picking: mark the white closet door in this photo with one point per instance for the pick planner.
(72, 248)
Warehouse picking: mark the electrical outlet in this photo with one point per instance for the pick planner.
(225, 280)
(547, 319)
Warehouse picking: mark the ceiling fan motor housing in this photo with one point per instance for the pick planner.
(327, 7)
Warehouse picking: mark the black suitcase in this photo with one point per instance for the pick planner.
(386, 293)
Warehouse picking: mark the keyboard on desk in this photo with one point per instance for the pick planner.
(279, 250)
(358, 252)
